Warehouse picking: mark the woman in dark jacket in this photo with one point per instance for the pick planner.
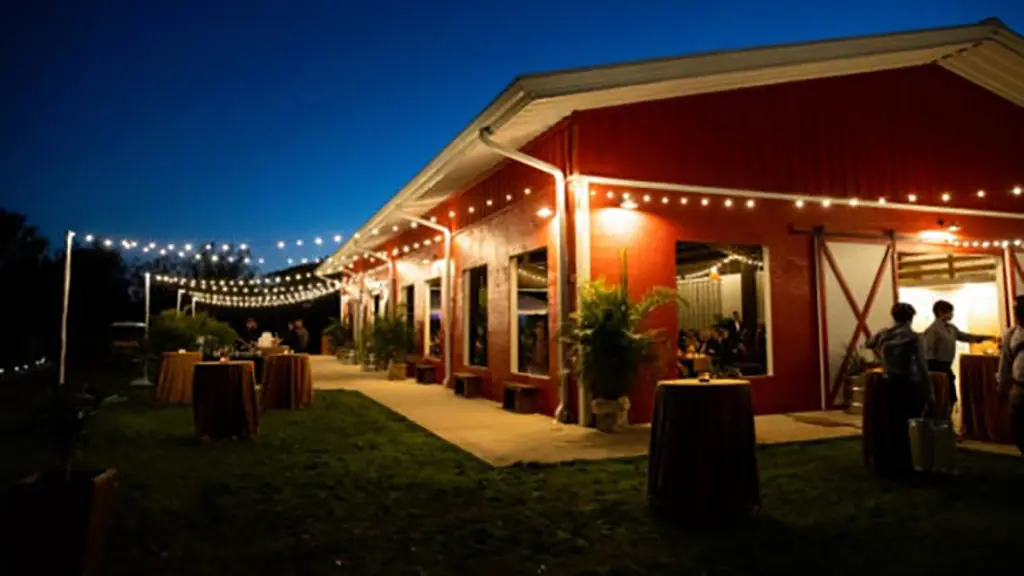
(904, 393)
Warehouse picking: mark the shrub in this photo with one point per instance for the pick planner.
(172, 331)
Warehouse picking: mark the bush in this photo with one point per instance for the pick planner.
(172, 331)
(390, 338)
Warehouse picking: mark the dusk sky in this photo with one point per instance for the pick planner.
(253, 121)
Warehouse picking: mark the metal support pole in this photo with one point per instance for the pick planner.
(64, 316)
(144, 380)
(177, 308)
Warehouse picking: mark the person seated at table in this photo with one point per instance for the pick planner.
(906, 390)
(1010, 375)
(714, 343)
(301, 337)
(940, 344)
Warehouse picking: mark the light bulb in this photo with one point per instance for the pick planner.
(912, 197)
(728, 203)
(946, 197)
(225, 247)
(280, 244)
(981, 193)
(664, 199)
(704, 202)
(826, 203)
(750, 203)
(527, 191)
(89, 237)
(298, 242)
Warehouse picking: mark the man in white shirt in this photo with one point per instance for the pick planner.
(1011, 373)
(940, 344)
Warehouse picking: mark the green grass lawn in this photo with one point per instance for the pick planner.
(348, 487)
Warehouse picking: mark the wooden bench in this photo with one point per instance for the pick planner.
(521, 398)
(426, 374)
(468, 384)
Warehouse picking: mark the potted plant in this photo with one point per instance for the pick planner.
(390, 342)
(608, 345)
(61, 514)
(858, 369)
(339, 337)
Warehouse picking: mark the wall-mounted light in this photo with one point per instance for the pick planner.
(629, 204)
(544, 212)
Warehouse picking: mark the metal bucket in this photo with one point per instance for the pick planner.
(932, 445)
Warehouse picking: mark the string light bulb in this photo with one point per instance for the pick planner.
(946, 197)
(750, 203)
(980, 193)
(704, 202)
(912, 197)
(799, 203)
(1017, 190)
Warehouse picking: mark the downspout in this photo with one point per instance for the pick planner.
(561, 256)
(446, 291)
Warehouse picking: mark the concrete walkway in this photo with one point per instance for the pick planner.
(503, 438)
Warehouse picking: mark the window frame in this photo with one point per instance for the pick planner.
(766, 285)
(514, 314)
(426, 318)
(467, 308)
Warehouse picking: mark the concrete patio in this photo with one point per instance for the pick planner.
(503, 438)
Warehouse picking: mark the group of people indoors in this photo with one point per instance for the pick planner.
(729, 344)
(908, 357)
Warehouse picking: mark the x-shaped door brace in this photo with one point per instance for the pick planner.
(860, 313)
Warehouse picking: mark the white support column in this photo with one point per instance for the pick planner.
(446, 298)
(69, 236)
(181, 291)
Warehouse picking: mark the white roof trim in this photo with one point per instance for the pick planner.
(988, 54)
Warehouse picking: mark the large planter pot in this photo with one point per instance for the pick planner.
(59, 525)
(396, 370)
(610, 415)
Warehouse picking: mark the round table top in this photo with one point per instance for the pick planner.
(696, 382)
(225, 363)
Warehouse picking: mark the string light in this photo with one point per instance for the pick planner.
(18, 369)
(718, 265)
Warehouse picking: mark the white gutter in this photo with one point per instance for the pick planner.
(561, 255)
(446, 293)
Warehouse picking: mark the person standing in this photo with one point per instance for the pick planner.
(1011, 373)
(301, 337)
(940, 344)
(903, 394)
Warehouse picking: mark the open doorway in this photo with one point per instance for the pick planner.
(972, 283)
(724, 325)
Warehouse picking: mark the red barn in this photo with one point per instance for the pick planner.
(805, 187)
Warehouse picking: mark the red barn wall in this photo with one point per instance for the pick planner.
(921, 130)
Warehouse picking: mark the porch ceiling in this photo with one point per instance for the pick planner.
(988, 54)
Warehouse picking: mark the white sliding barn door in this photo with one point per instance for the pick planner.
(857, 290)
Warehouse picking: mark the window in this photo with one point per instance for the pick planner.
(727, 317)
(530, 328)
(476, 316)
(410, 313)
(434, 335)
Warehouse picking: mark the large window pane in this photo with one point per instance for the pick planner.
(476, 318)
(434, 336)
(531, 337)
(725, 321)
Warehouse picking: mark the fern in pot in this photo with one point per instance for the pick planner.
(608, 346)
(390, 340)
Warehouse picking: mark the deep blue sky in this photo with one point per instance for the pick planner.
(246, 120)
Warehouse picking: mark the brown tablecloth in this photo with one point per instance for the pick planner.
(986, 412)
(224, 400)
(703, 463)
(174, 386)
(889, 404)
(287, 382)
